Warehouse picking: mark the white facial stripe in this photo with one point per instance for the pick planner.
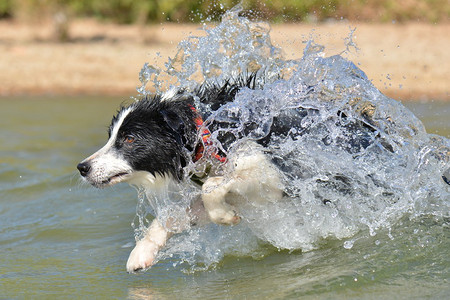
(117, 125)
(112, 139)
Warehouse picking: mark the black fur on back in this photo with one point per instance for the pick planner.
(215, 95)
(359, 133)
(165, 132)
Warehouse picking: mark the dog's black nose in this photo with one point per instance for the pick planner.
(84, 168)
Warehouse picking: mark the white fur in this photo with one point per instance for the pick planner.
(253, 178)
(106, 163)
(145, 251)
(250, 176)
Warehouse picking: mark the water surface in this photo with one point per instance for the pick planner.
(63, 239)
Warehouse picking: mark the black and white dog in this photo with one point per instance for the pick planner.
(153, 140)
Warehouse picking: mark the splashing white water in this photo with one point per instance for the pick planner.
(333, 190)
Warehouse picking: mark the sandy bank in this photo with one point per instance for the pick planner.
(405, 61)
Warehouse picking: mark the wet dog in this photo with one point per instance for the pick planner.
(153, 140)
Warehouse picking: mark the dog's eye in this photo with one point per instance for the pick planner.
(129, 139)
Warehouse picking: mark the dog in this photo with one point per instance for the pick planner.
(153, 141)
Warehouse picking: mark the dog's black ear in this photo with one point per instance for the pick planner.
(175, 123)
(173, 120)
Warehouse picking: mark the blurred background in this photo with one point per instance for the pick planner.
(96, 47)
(152, 11)
(65, 67)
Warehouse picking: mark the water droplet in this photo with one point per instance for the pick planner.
(349, 244)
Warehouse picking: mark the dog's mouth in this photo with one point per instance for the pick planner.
(114, 179)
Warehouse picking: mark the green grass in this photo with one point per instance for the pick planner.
(154, 11)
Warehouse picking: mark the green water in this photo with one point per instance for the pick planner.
(62, 239)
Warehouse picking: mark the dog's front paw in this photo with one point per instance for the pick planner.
(142, 257)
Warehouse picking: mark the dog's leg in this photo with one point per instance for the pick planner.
(145, 251)
(214, 191)
(253, 178)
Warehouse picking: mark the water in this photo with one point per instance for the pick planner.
(60, 238)
(392, 169)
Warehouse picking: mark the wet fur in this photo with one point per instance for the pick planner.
(152, 140)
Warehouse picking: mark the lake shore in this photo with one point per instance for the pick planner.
(405, 61)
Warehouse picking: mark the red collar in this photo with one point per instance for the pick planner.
(206, 140)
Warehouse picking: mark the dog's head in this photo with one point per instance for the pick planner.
(146, 140)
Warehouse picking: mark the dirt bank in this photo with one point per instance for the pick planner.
(405, 61)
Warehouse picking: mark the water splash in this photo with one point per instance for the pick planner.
(334, 188)
(233, 47)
